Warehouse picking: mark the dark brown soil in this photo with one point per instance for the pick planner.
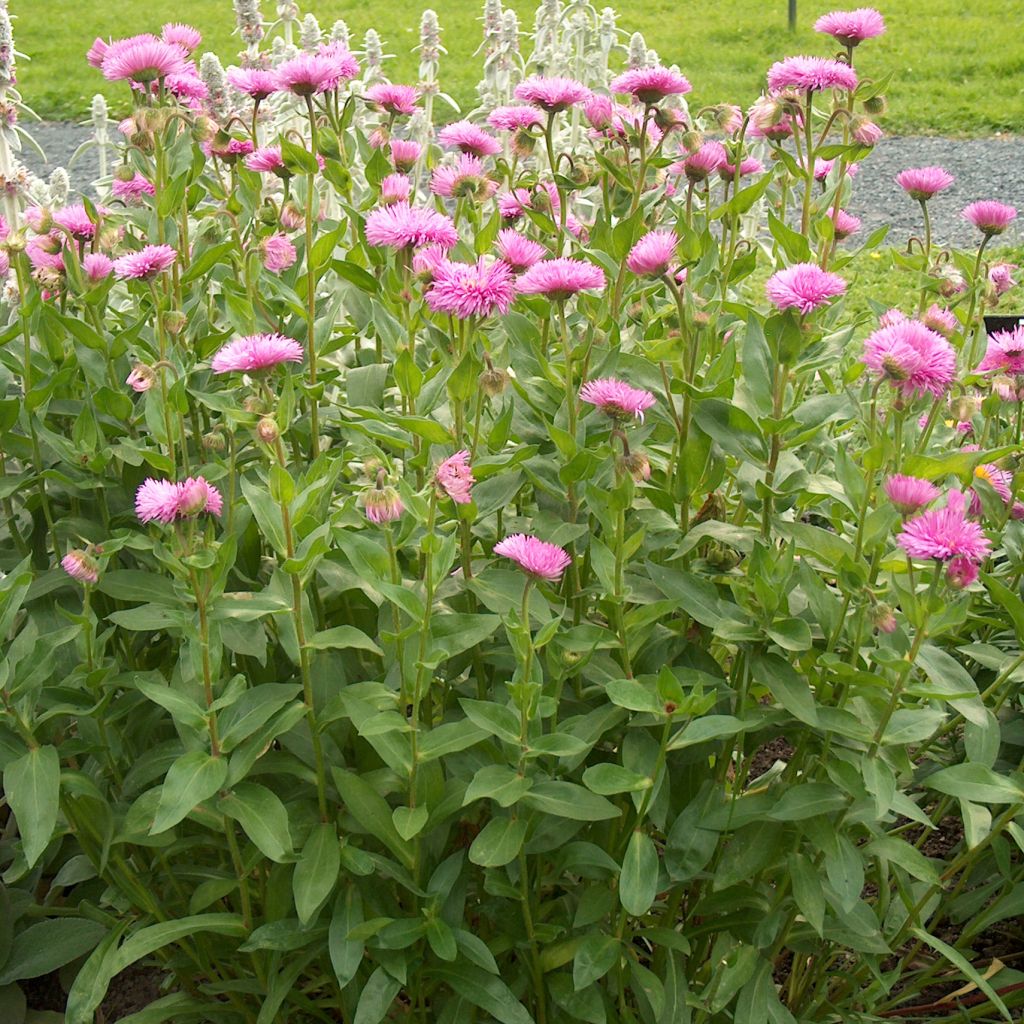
(778, 749)
(132, 990)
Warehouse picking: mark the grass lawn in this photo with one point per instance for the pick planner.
(958, 69)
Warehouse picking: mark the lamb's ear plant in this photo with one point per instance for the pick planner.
(491, 575)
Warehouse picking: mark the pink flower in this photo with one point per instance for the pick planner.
(346, 64)
(97, 266)
(598, 110)
(141, 378)
(428, 261)
(653, 254)
(823, 168)
(197, 495)
(944, 533)
(922, 183)
(157, 500)
(455, 477)
(256, 352)
(561, 278)
(518, 251)
(804, 287)
(513, 119)
(748, 165)
(311, 73)
(469, 138)
(769, 120)
(910, 494)
(989, 217)
(536, 557)
(188, 86)
(845, 224)
(616, 398)
(80, 566)
(1000, 480)
(702, 164)
(1000, 276)
(131, 192)
(227, 148)
(651, 85)
(1005, 352)
(405, 153)
(185, 36)
(394, 99)
(395, 188)
(543, 199)
(259, 83)
(961, 572)
(472, 290)
(463, 179)
(892, 316)
(382, 504)
(851, 27)
(911, 357)
(265, 160)
(98, 51)
(551, 94)
(142, 59)
(811, 74)
(942, 320)
(277, 252)
(400, 225)
(866, 132)
(75, 221)
(146, 263)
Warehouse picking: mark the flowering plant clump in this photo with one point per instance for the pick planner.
(476, 565)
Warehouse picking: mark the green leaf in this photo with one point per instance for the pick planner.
(491, 994)
(409, 821)
(708, 727)
(498, 843)
(731, 429)
(638, 881)
(567, 800)
(156, 936)
(32, 788)
(634, 696)
(346, 954)
(371, 810)
(193, 778)
(47, 945)
(808, 799)
(594, 958)
(787, 687)
(977, 783)
(316, 872)
(182, 709)
(253, 709)
(496, 719)
(376, 998)
(807, 890)
(608, 778)
(441, 939)
(343, 638)
(263, 818)
(497, 782)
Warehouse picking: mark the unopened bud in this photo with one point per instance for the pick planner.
(493, 381)
(124, 173)
(254, 404)
(214, 441)
(876, 105)
(961, 572)
(691, 141)
(15, 241)
(637, 465)
(883, 619)
(266, 430)
(174, 321)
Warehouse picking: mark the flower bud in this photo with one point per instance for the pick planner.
(637, 465)
(124, 173)
(383, 505)
(81, 566)
(214, 441)
(15, 241)
(493, 381)
(142, 377)
(961, 573)
(876, 106)
(266, 430)
(691, 141)
(964, 408)
(254, 404)
(174, 321)
(883, 619)
(194, 496)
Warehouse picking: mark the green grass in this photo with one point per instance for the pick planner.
(958, 69)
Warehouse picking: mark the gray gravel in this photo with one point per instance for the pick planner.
(990, 168)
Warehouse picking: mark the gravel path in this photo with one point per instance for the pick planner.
(991, 168)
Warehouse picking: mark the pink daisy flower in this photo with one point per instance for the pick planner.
(701, 165)
(922, 183)
(146, 263)
(804, 287)
(463, 179)
(394, 99)
(395, 188)
(748, 165)
(961, 572)
(265, 160)
(561, 278)
(142, 60)
(944, 533)
(616, 398)
(188, 86)
(157, 500)
(651, 85)
(911, 357)
(382, 504)
(428, 261)
(910, 494)
(141, 378)
(845, 224)
(535, 557)
(823, 168)
(1004, 352)
(256, 352)
(80, 566)
(196, 495)
(227, 148)
(653, 254)
(277, 252)
(405, 153)
(132, 191)
(811, 74)
(942, 320)
(75, 221)
(892, 316)
(98, 51)
(311, 73)
(455, 477)
(769, 120)
(469, 138)
(544, 199)
(185, 36)
(1000, 276)
(551, 94)
(1000, 480)
(259, 83)
(989, 217)
(851, 27)
(472, 290)
(97, 266)
(598, 110)
(513, 119)
(866, 132)
(346, 63)
(518, 251)
(400, 225)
